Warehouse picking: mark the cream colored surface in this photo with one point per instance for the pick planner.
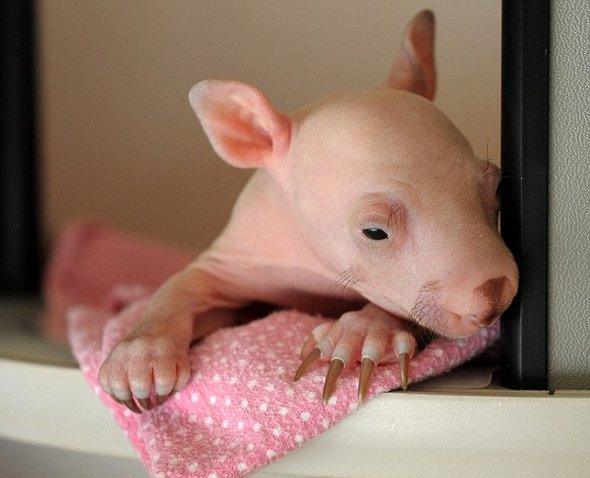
(120, 142)
(484, 434)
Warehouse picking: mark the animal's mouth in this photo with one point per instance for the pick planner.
(490, 301)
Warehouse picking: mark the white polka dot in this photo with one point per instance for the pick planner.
(289, 392)
(194, 397)
(208, 421)
(260, 367)
(240, 425)
(277, 431)
(333, 400)
(250, 447)
(271, 453)
(168, 443)
(298, 438)
(221, 458)
(305, 416)
(326, 423)
(174, 461)
(217, 441)
(270, 387)
(241, 467)
(225, 424)
(199, 437)
(161, 474)
(283, 411)
(242, 363)
(233, 380)
(317, 379)
(460, 343)
(212, 475)
(227, 401)
(257, 427)
(263, 407)
(310, 396)
(198, 376)
(483, 332)
(193, 467)
(438, 352)
(212, 399)
(192, 418)
(216, 378)
(251, 384)
(177, 395)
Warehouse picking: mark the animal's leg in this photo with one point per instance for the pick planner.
(152, 361)
(366, 335)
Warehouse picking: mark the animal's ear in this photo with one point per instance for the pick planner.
(413, 68)
(240, 122)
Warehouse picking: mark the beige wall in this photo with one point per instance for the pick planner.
(120, 142)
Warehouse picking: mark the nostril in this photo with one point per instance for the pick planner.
(492, 298)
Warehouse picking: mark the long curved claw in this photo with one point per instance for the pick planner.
(130, 404)
(367, 367)
(404, 366)
(308, 361)
(308, 346)
(161, 399)
(145, 403)
(336, 367)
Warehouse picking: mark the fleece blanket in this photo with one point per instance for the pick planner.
(241, 409)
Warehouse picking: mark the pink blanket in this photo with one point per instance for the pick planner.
(241, 409)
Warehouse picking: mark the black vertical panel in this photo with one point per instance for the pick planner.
(525, 103)
(19, 264)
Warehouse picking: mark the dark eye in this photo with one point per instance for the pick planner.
(375, 234)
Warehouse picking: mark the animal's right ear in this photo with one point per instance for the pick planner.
(240, 122)
(413, 68)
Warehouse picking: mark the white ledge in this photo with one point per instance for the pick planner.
(486, 433)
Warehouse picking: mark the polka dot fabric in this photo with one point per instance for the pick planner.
(241, 409)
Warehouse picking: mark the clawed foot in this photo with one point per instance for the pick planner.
(369, 335)
(142, 372)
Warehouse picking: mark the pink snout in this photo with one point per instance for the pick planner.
(489, 301)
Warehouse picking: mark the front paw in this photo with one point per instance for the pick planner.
(367, 335)
(144, 370)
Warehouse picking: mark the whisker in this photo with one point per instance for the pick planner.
(345, 280)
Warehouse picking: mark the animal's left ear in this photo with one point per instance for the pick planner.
(240, 122)
(413, 68)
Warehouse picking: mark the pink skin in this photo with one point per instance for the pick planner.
(369, 205)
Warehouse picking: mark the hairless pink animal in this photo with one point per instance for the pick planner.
(368, 205)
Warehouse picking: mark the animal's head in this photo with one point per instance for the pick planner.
(387, 190)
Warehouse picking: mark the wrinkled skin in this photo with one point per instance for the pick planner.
(366, 205)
